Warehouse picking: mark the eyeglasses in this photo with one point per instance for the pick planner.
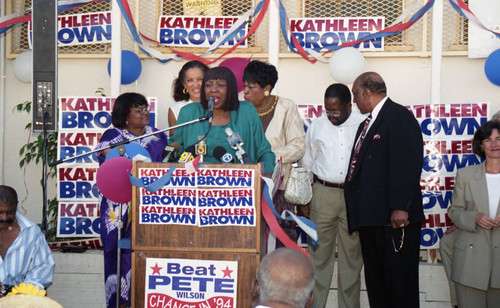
(401, 243)
(215, 86)
(334, 113)
(143, 109)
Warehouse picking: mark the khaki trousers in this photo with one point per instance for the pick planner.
(328, 211)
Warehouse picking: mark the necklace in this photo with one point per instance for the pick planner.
(268, 107)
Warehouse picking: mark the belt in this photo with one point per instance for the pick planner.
(328, 184)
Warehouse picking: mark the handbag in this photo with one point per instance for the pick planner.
(298, 188)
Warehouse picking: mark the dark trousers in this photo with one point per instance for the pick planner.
(391, 277)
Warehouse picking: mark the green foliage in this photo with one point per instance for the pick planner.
(33, 152)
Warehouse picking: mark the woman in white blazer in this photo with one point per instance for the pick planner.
(282, 125)
(475, 212)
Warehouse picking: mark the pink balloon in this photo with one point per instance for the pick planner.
(237, 66)
(113, 181)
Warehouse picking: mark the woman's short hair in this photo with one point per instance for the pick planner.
(482, 133)
(122, 106)
(261, 73)
(222, 73)
(178, 87)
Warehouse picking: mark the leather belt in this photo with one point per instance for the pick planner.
(328, 184)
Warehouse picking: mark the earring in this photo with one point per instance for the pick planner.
(266, 93)
(126, 123)
(185, 91)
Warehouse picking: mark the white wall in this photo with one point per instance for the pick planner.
(407, 79)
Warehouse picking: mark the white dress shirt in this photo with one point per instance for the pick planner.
(328, 147)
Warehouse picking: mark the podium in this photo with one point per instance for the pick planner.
(242, 244)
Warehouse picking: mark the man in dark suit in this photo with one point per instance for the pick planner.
(383, 197)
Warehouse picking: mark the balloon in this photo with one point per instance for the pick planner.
(23, 66)
(113, 181)
(131, 67)
(237, 66)
(492, 67)
(346, 64)
(131, 150)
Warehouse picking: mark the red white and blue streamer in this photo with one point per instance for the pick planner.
(464, 10)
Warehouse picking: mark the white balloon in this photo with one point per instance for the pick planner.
(23, 67)
(346, 64)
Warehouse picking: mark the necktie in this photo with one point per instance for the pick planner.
(358, 147)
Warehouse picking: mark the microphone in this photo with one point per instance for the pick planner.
(210, 115)
(236, 143)
(221, 154)
(201, 147)
(169, 154)
(187, 155)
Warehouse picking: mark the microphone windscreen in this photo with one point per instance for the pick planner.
(219, 152)
(190, 149)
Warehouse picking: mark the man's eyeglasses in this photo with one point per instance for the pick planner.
(142, 109)
(334, 113)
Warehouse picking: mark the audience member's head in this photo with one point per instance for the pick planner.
(285, 279)
(496, 116)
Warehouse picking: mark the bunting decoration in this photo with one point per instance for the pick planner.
(257, 14)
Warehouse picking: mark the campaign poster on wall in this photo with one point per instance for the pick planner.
(82, 121)
(81, 29)
(447, 130)
(319, 33)
(198, 31)
(78, 219)
(190, 283)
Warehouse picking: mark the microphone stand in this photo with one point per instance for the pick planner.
(119, 221)
(114, 145)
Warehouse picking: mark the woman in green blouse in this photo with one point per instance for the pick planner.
(241, 117)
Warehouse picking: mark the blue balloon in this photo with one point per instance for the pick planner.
(131, 67)
(131, 150)
(492, 67)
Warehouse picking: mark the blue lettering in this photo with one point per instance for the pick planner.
(65, 36)
(451, 126)
(224, 285)
(180, 283)
(66, 226)
(165, 36)
(442, 198)
(430, 237)
(434, 163)
(330, 39)
(84, 119)
(79, 190)
(197, 36)
(158, 281)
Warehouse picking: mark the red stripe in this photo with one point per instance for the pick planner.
(276, 228)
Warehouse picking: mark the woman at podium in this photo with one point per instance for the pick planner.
(130, 118)
(235, 125)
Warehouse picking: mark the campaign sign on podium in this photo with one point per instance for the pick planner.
(198, 240)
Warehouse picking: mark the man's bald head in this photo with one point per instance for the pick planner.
(286, 276)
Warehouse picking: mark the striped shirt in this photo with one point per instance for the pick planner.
(29, 259)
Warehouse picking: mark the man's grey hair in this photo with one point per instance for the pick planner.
(286, 276)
